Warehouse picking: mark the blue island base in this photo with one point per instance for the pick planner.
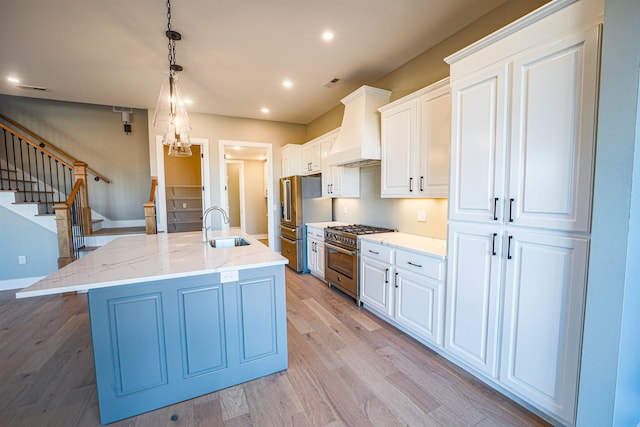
(162, 342)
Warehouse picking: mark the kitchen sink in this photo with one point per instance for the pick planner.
(228, 242)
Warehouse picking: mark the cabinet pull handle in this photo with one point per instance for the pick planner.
(509, 248)
(386, 275)
(415, 265)
(410, 184)
(511, 209)
(422, 183)
(331, 188)
(374, 252)
(493, 244)
(396, 279)
(495, 209)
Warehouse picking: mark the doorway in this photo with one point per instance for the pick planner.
(256, 197)
(183, 187)
(235, 193)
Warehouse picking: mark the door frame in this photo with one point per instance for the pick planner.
(161, 196)
(224, 199)
(271, 208)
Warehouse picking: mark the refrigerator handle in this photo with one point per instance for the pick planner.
(287, 200)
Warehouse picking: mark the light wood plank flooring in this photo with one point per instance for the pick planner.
(346, 368)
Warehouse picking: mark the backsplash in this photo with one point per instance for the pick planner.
(401, 214)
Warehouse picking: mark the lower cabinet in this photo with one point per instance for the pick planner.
(315, 251)
(514, 310)
(405, 287)
(162, 342)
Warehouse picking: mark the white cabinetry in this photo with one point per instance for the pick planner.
(291, 160)
(523, 139)
(315, 251)
(312, 157)
(415, 143)
(405, 287)
(337, 181)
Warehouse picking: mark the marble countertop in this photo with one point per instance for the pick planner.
(137, 259)
(413, 242)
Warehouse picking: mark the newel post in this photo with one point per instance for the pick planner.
(150, 217)
(80, 171)
(65, 234)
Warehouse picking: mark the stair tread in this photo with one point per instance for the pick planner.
(88, 248)
(119, 230)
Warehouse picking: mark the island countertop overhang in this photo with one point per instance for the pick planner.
(139, 259)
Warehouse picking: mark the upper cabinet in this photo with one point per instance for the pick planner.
(415, 144)
(524, 137)
(291, 159)
(337, 181)
(312, 157)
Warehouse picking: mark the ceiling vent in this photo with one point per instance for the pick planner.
(331, 83)
(30, 87)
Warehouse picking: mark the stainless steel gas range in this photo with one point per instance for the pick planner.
(341, 256)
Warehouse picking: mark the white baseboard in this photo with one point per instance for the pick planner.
(107, 223)
(6, 285)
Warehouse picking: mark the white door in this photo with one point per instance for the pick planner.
(473, 294)
(419, 305)
(376, 284)
(553, 134)
(398, 150)
(544, 295)
(434, 130)
(478, 145)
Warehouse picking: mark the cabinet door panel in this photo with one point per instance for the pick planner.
(478, 145)
(398, 139)
(420, 305)
(375, 289)
(544, 299)
(553, 134)
(320, 258)
(473, 286)
(435, 143)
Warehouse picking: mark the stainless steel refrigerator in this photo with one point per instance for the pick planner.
(300, 202)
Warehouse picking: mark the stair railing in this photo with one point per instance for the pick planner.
(71, 224)
(151, 223)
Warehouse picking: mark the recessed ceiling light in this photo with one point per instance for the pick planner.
(287, 83)
(265, 110)
(13, 80)
(327, 36)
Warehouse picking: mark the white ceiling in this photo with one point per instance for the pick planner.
(235, 53)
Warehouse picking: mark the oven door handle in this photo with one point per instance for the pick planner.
(338, 249)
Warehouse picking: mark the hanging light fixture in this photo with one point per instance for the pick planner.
(171, 113)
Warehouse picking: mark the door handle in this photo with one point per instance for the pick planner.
(509, 248)
(511, 210)
(493, 244)
(495, 209)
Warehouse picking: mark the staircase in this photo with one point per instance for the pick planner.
(47, 186)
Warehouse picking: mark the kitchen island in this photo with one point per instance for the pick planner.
(173, 318)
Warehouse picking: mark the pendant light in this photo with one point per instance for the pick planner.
(171, 114)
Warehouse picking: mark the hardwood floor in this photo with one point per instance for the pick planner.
(346, 368)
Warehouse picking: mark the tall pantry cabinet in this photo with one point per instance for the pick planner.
(524, 106)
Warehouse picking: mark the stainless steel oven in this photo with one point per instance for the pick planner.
(341, 256)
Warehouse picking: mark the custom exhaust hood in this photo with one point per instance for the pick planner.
(358, 142)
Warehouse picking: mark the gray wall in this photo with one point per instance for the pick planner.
(94, 134)
(610, 373)
(19, 236)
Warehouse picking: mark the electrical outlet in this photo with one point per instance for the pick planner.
(345, 210)
(22, 259)
(184, 205)
(422, 215)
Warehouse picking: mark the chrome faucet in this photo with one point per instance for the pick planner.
(225, 217)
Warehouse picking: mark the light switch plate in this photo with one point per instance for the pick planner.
(422, 215)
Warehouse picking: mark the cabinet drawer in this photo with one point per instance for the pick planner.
(421, 264)
(376, 251)
(315, 233)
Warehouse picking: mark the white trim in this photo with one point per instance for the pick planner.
(512, 28)
(271, 208)
(161, 197)
(225, 197)
(23, 282)
(260, 236)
